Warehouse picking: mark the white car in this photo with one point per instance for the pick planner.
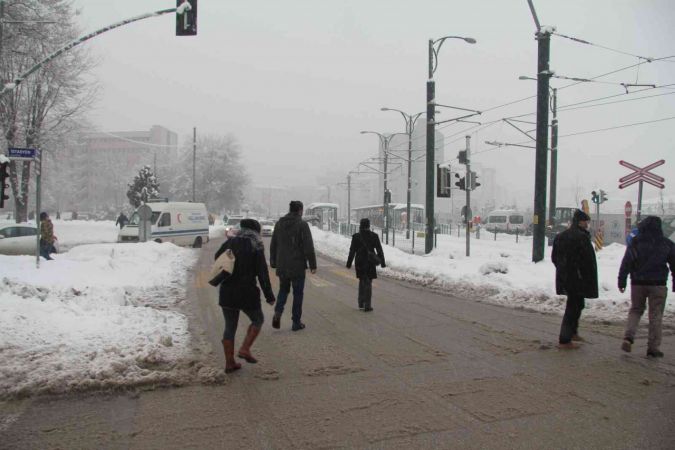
(266, 228)
(19, 239)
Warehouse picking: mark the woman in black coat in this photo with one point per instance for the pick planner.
(367, 249)
(239, 291)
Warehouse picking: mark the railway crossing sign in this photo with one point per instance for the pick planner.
(642, 174)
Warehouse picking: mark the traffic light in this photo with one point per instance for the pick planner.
(594, 197)
(474, 180)
(443, 181)
(603, 196)
(186, 17)
(461, 156)
(4, 175)
(461, 183)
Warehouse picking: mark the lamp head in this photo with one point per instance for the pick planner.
(470, 40)
(384, 109)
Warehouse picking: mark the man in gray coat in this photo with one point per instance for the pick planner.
(291, 252)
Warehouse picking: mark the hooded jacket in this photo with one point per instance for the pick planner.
(648, 256)
(239, 289)
(292, 247)
(574, 258)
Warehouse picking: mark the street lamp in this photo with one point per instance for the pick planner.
(410, 120)
(553, 178)
(434, 48)
(384, 141)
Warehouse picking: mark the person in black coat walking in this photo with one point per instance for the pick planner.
(647, 259)
(576, 275)
(291, 251)
(122, 220)
(367, 250)
(238, 292)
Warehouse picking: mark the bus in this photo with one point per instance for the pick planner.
(397, 214)
(322, 214)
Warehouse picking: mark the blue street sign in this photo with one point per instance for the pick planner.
(21, 153)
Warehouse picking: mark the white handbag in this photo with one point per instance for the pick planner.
(222, 267)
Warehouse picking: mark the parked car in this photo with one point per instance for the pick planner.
(267, 227)
(19, 239)
(232, 225)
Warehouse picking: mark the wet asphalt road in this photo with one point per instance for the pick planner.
(424, 370)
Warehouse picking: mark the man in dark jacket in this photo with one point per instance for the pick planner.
(365, 245)
(122, 220)
(647, 259)
(291, 250)
(576, 275)
(239, 291)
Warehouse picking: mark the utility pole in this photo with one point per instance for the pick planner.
(349, 202)
(431, 154)
(194, 160)
(468, 215)
(554, 158)
(543, 37)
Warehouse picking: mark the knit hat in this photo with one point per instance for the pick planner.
(250, 224)
(364, 224)
(295, 206)
(579, 216)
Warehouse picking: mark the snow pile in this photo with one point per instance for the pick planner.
(499, 272)
(98, 316)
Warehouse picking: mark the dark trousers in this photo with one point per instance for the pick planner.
(570, 321)
(45, 249)
(365, 292)
(298, 294)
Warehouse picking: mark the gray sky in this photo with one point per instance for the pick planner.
(297, 80)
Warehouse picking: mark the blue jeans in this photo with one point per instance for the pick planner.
(298, 294)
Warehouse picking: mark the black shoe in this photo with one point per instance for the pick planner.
(655, 354)
(298, 326)
(367, 309)
(276, 321)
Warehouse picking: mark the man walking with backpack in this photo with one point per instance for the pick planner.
(647, 259)
(291, 252)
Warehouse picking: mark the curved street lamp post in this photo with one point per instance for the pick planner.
(385, 139)
(434, 48)
(410, 120)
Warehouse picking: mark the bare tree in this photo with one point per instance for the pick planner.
(50, 103)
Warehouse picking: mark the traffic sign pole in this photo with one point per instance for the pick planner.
(38, 195)
(639, 207)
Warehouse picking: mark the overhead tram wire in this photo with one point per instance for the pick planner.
(583, 41)
(513, 102)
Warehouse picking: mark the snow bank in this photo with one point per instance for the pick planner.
(98, 316)
(499, 272)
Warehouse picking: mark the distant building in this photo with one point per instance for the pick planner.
(108, 161)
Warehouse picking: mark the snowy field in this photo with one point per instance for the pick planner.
(499, 272)
(98, 316)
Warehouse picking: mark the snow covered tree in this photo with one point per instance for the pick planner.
(143, 188)
(50, 101)
(220, 175)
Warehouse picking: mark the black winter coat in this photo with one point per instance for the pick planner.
(647, 255)
(239, 290)
(359, 249)
(292, 247)
(576, 268)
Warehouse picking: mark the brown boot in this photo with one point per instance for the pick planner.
(230, 364)
(245, 350)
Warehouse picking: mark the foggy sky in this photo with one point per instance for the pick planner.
(296, 81)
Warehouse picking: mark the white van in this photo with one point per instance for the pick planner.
(506, 221)
(181, 223)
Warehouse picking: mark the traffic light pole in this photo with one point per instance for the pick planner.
(467, 217)
(543, 76)
(430, 154)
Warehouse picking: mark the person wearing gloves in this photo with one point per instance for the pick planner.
(647, 259)
(367, 250)
(238, 291)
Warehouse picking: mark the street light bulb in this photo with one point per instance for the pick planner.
(384, 109)
(523, 77)
(470, 40)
